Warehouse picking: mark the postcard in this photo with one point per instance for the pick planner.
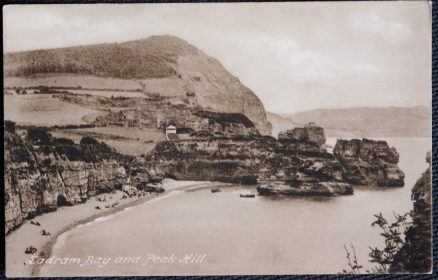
(217, 138)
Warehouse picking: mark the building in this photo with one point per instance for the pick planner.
(170, 132)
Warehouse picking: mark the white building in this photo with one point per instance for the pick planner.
(170, 130)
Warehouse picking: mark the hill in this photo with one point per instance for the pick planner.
(158, 65)
(370, 121)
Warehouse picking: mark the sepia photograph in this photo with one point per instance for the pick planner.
(175, 139)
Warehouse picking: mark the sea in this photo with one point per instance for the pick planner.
(204, 233)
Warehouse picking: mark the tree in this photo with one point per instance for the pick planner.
(39, 136)
(10, 126)
(86, 140)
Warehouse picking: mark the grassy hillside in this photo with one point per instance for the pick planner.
(370, 121)
(71, 81)
(125, 140)
(153, 57)
(44, 110)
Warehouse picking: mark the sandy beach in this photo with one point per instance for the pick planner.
(67, 218)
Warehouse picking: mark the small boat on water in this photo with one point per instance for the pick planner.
(247, 195)
(215, 190)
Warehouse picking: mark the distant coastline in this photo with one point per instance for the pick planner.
(361, 122)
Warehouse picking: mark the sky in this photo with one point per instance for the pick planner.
(293, 56)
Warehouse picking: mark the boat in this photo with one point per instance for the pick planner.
(247, 195)
(153, 188)
(215, 190)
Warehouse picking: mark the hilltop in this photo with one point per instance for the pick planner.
(163, 66)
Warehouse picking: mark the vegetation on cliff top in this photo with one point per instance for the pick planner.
(152, 57)
(89, 149)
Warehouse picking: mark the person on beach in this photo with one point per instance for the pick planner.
(35, 223)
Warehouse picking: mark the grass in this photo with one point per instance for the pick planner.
(166, 86)
(126, 140)
(130, 60)
(43, 110)
(71, 80)
(108, 93)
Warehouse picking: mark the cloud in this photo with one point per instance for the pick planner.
(375, 24)
(29, 21)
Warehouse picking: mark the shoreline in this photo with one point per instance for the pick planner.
(46, 250)
(57, 224)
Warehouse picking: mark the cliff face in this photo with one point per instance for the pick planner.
(40, 178)
(164, 66)
(309, 133)
(368, 162)
(189, 120)
(297, 163)
(416, 254)
(297, 167)
(217, 90)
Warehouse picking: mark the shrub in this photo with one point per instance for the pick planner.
(383, 258)
(86, 140)
(62, 141)
(39, 136)
(10, 126)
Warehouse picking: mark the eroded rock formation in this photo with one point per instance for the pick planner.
(369, 162)
(297, 163)
(42, 172)
(302, 166)
(308, 133)
(39, 178)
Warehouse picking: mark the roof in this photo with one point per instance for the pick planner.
(171, 127)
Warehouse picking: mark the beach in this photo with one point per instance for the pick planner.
(67, 218)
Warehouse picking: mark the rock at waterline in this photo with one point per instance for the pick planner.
(310, 189)
(369, 162)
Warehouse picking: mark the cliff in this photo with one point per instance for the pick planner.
(369, 162)
(159, 66)
(308, 133)
(297, 163)
(304, 167)
(415, 256)
(39, 177)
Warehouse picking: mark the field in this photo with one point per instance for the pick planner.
(44, 110)
(107, 93)
(126, 140)
(71, 80)
(166, 86)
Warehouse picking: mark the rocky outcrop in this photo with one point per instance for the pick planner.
(313, 189)
(286, 166)
(309, 133)
(39, 178)
(297, 163)
(415, 256)
(369, 162)
(188, 120)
